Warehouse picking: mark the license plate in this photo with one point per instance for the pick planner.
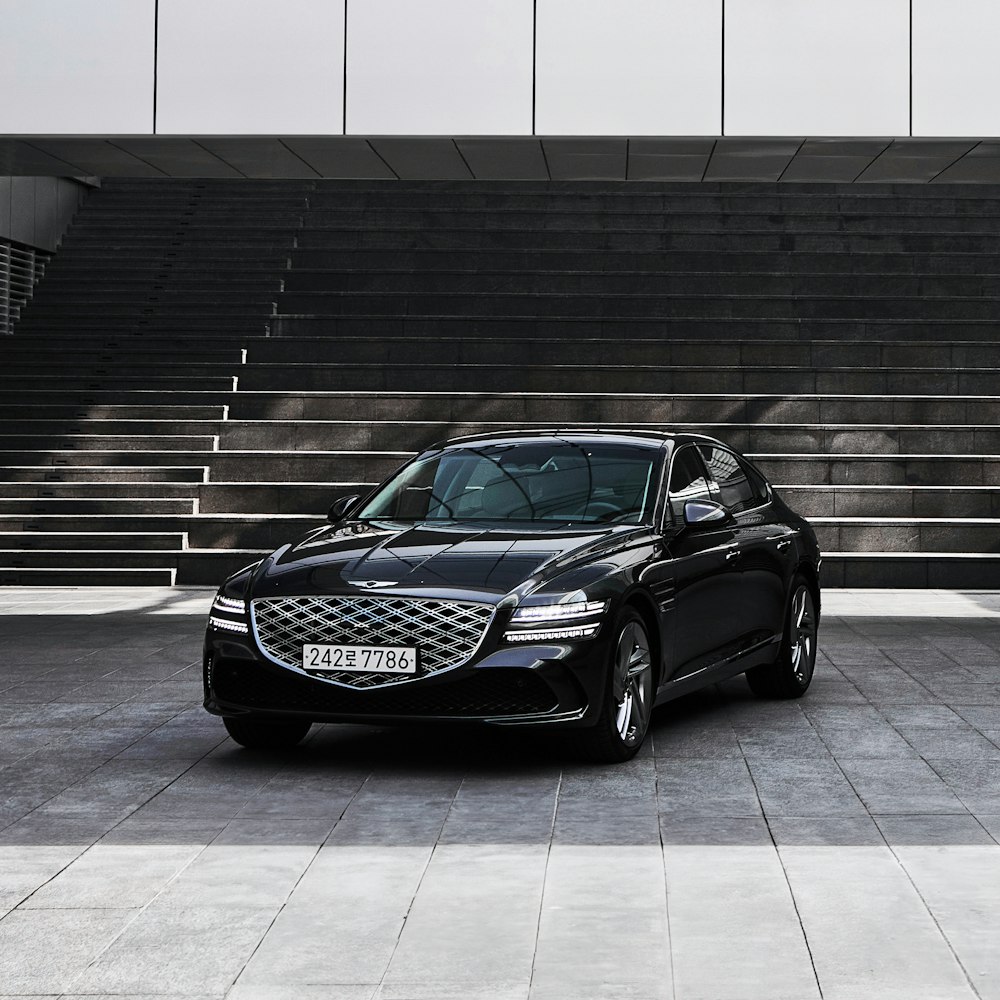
(361, 659)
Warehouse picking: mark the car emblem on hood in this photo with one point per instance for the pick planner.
(371, 584)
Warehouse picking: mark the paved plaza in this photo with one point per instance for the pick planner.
(843, 847)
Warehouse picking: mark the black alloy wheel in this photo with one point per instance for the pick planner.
(792, 671)
(255, 734)
(628, 702)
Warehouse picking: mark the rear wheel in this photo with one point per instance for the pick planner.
(628, 701)
(791, 673)
(257, 734)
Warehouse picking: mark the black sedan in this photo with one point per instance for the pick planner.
(555, 578)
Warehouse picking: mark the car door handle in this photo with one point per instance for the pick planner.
(733, 554)
(783, 544)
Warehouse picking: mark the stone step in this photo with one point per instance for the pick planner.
(937, 570)
(634, 327)
(900, 534)
(123, 492)
(611, 378)
(96, 505)
(601, 238)
(568, 260)
(590, 350)
(106, 443)
(299, 435)
(890, 501)
(14, 544)
(211, 531)
(111, 428)
(571, 222)
(611, 283)
(16, 416)
(596, 304)
(49, 469)
(586, 409)
(114, 568)
(90, 576)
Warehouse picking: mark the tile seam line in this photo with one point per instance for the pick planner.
(899, 864)
(781, 862)
(298, 881)
(545, 875)
(140, 910)
(416, 891)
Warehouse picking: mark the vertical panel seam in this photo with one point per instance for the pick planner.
(344, 95)
(156, 56)
(722, 74)
(534, 62)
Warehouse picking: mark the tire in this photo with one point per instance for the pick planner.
(255, 734)
(628, 696)
(792, 671)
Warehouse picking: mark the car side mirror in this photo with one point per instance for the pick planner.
(705, 513)
(340, 507)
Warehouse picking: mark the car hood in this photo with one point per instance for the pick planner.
(471, 560)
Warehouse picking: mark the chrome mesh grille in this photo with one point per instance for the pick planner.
(446, 633)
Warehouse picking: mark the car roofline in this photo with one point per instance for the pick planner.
(651, 434)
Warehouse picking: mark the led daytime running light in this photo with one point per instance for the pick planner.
(554, 634)
(228, 606)
(558, 612)
(228, 626)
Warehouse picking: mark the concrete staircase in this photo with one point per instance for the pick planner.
(208, 364)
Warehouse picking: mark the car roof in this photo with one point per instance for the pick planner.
(654, 436)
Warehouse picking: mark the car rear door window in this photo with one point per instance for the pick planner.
(738, 489)
(687, 482)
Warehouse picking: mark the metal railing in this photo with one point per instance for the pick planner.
(21, 267)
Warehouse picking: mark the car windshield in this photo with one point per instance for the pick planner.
(538, 481)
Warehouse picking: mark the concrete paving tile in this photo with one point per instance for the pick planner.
(73, 939)
(706, 787)
(401, 822)
(256, 876)
(273, 830)
(23, 869)
(719, 831)
(797, 744)
(675, 742)
(883, 742)
(604, 923)
(900, 786)
(976, 783)
(170, 945)
(113, 877)
(343, 920)
(825, 831)
(869, 932)
(959, 885)
(734, 902)
(303, 991)
(138, 830)
(606, 821)
(961, 742)
(933, 829)
(803, 788)
(478, 819)
(452, 991)
(634, 779)
(980, 716)
(990, 823)
(469, 895)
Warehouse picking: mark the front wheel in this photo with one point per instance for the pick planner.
(256, 734)
(628, 701)
(790, 674)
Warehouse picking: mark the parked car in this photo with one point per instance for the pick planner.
(569, 579)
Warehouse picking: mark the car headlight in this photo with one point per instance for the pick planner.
(229, 615)
(557, 621)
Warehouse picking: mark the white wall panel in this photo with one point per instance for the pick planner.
(76, 66)
(439, 67)
(629, 67)
(817, 67)
(956, 67)
(249, 67)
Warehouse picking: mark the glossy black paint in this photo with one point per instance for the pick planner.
(713, 595)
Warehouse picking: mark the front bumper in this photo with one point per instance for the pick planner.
(551, 684)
